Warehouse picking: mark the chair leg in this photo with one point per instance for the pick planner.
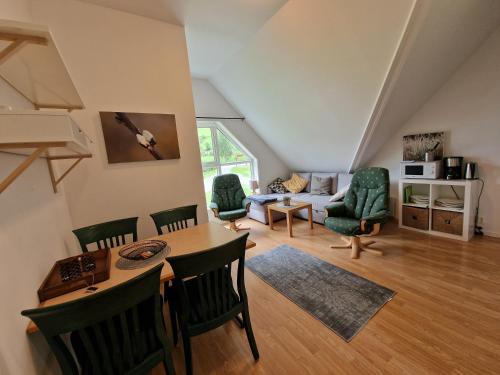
(186, 342)
(167, 291)
(236, 227)
(354, 243)
(239, 321)
(173, 322)
(356, 248)
(364, 247)
(249, 332)
(347, 244)
(168, 364)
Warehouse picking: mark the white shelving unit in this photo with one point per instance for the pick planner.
(31, 64)
(441, 221)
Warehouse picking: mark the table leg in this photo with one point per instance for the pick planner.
(289, 222)
(270, 218)
(310, 217)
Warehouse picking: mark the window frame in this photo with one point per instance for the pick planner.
(215, 126)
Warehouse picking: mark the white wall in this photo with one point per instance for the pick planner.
(441, 36)
(123, 62)
(118, 62)
(467, 108)
(308, 80)
(35, 230)
(209, 102)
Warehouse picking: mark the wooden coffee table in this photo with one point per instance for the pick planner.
(289, 211)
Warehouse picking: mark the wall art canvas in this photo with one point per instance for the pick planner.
(416, 145)
(131, 137)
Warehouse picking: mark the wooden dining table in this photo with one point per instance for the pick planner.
(186, 241)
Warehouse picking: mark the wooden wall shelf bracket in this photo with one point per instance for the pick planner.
(55, 181)
(39, 150)
(21, 168)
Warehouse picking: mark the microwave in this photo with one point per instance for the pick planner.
(421, 169)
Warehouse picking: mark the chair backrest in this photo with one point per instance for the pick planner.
(212, 272)
(116, 331)
(107, 235)
(227, 192)
(175, 218)
(368, 193)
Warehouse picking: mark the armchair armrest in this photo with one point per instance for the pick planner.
(335, 209)
(246, 204)
(215, 208)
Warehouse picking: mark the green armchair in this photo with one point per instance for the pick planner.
(229, 202)
(364, 210)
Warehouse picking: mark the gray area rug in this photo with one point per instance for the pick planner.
(341, 300)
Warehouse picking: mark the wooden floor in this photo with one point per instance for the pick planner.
(445, 318)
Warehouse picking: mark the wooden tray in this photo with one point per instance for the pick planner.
(54, 286)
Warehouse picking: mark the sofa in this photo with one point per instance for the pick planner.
(339, 180)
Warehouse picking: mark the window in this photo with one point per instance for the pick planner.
(222, 154)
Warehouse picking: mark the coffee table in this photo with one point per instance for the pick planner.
(289, 211)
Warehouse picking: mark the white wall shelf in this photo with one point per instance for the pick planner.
(466, 190)
(31, 64)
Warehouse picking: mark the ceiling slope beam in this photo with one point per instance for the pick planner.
(408, 37)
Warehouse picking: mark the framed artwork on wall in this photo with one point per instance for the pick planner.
(416, 145)
(132, 137)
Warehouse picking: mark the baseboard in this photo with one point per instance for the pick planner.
(491, 234)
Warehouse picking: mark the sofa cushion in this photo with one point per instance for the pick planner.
(318, 201)
(277, 186)
(307, 176)
(321, 185)
(296, 184)
(334, 177)
(340, 194)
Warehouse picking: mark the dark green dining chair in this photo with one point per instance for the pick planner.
(204, 294)
(117, 331)
(229, 202)
(364, 209)
(107, 235)
(175, 218)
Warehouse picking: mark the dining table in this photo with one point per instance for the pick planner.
(182, 242)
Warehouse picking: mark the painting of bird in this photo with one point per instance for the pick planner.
(132, 137)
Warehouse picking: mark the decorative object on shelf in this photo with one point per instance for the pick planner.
(286, 200)
(142, 250)
(415, 146)
(77, 272)
(254, 185)
(131, 137)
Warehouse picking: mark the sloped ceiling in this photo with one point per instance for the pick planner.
(215, 29)
(308, 80)
(441, 36)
